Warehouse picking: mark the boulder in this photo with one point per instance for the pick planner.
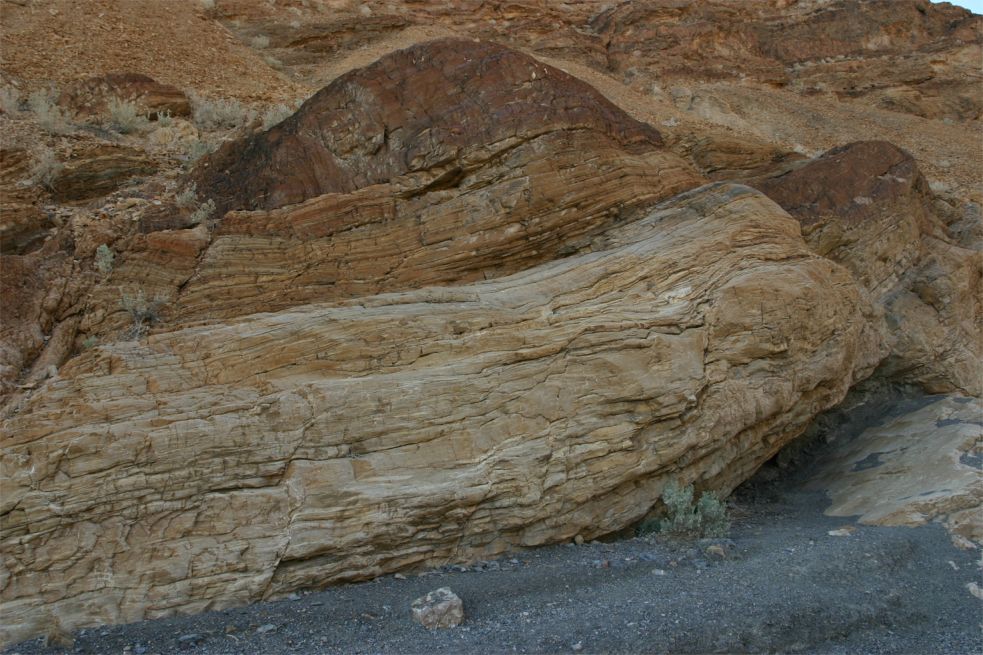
(90, 97)
(867, 206)
(217, 464)
(430, 114)
(441, 608)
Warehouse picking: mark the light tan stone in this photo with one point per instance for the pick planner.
(218, 464)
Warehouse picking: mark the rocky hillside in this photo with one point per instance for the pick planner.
(357, 288)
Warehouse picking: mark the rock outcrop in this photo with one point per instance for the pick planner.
(459, 161)
(432, 113)
(868, 207)
(91, 98)
(921, 463)
(460, 302)
(214, 465)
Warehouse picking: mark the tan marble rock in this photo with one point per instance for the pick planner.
(922, 465)
(214, 465)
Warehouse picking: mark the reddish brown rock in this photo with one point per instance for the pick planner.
(23, 225)
(91, 97)
(96, 171)
(868, 207)
(433, 113)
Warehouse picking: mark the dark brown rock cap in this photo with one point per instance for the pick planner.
(431, 109)
(849, 182)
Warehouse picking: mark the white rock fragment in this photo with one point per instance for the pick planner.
(439, 609)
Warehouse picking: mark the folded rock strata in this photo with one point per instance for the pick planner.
(867, 206)
(446, 163)
(214, 465)
(433, 112)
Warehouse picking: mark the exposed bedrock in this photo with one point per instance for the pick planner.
(868, 207)
(433, 112)
(215, 465)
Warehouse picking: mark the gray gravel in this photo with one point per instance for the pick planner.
(785, 585)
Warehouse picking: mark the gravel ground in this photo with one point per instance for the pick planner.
(784, 584)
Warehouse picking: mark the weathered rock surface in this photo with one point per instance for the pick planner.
(434, 113)
(441, 608)
(411, 428)
(868, 207)
(91, 97)
(476, 333)
(451, 191)
(922, 465)
(23, 225)
(97, 171)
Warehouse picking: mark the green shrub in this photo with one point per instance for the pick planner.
(203, 213)
(684, 518)
(143, 311)
(104, 259)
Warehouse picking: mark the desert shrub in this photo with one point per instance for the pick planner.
(104, 259)
(164, 118)
(42, 104)
(46, 168)
(188, 197)
(197, 150)
(125, 117)
(222, 114)
(684, 518)
(9, 100)
(90, 342)
(274, 115)
(203, 213)
(143, 311)
(260, 42)
(707, 518)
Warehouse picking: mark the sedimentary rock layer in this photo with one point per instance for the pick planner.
(434, 112)
(215, 465)
(867, 206)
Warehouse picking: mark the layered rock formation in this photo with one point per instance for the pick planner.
(215, 465)
(91, 98)
(868, 207)
(461, 301)
(920, 464)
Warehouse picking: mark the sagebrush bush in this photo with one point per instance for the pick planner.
(260, 42)
(164, 118)
(143, 311)
(222, 114)
(125, 117)
(203, 213)
(197, 150)
(50, 116)
(46, 168)
(9, 100)
(104, 259)
(275, 115)
(187, 198)
(705, 518)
